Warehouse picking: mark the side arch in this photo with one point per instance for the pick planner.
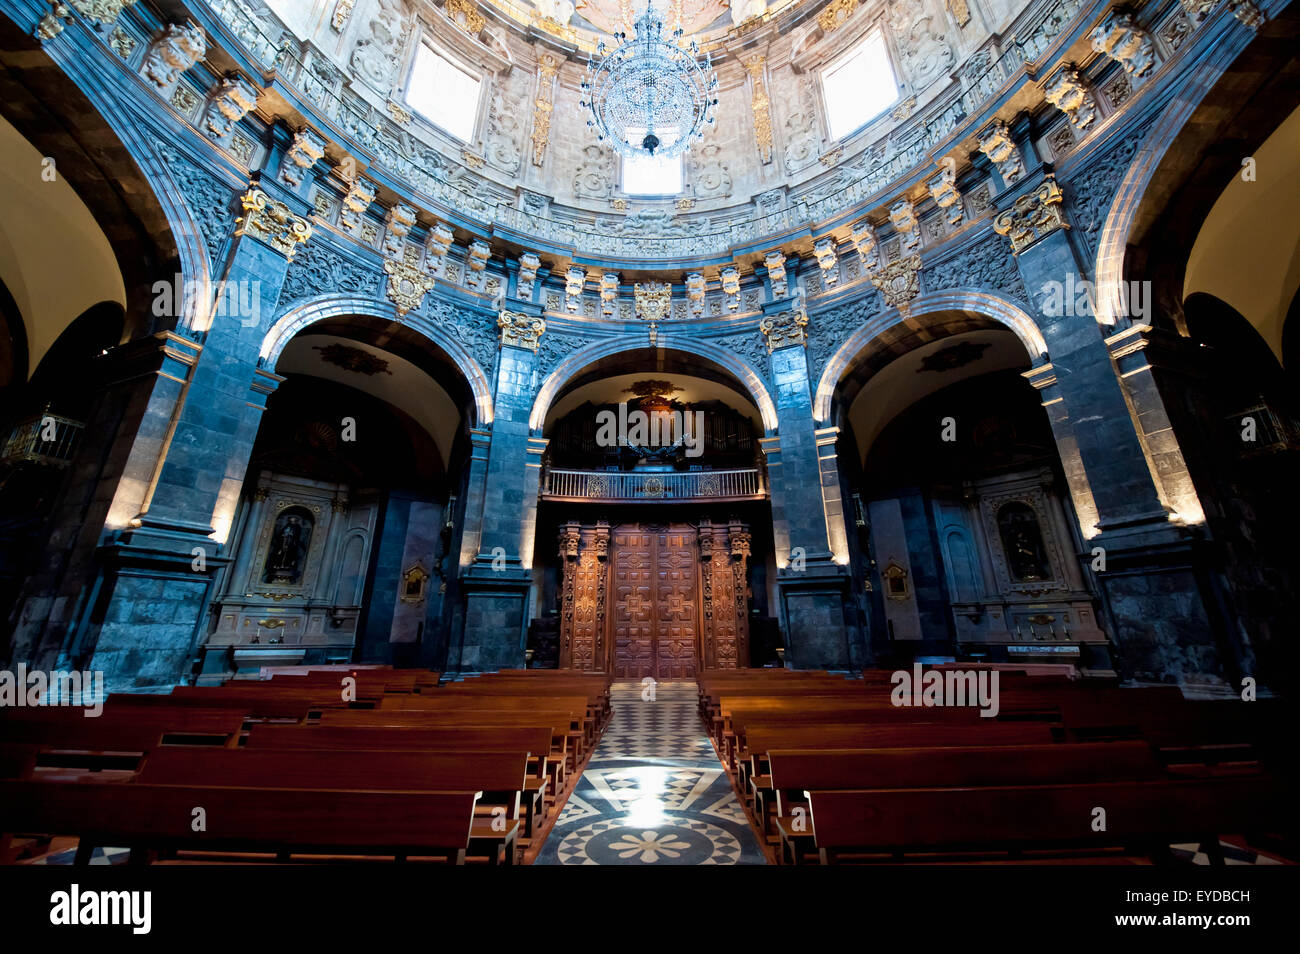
(728, 361)
(325, 307)
(1004, 311)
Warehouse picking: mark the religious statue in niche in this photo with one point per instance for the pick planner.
(288, 551)
(1022, 541)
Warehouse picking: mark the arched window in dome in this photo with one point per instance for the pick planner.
(652, 175)
(859, 86)
(443, 92)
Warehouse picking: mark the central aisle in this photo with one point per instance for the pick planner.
(654, 792)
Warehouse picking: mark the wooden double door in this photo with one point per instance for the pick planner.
(661, 600)
(655, 619)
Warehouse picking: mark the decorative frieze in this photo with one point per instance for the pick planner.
(1033, 215)
(174, 51)
(827, 261)
(397, 226)
(271, 222)
(304, 151)
(231, 101)
(360, 195)
(695, 293)
(761, 105)
(774, 262)
(996, 143)
(1121, 39)
(520, 331)
(529, 263)
(943, 190)
(785, 329)
(1067, 92)
(574, 280)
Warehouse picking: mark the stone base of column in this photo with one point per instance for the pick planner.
(146, 611)
(495, 619)
(813, 608)
(1166, 613)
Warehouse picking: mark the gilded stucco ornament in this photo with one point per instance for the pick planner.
(272, 222)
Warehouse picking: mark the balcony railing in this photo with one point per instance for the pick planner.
(45, 439)
(599, 485)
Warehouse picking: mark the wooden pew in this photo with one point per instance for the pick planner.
(283, 821)
(498, 776)
(1142, 817)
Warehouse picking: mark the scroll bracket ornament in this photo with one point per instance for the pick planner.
(785, 330)
(520, 331)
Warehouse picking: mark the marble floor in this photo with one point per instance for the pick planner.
(654, 792)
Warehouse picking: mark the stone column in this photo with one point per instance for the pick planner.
(1161, 609)
(156, 571)
(812, 577)
(497, 580)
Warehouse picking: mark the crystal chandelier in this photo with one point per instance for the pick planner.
(649, 95)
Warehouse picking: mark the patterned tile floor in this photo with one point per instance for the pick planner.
(653, 793)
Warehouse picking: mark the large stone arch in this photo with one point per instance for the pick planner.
(750, 379)
(107, 150)
(1216, 117)
(312, 311)
(967, 301)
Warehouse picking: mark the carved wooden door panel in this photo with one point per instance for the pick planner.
(676, 603)
(632, 581)
(655, 602)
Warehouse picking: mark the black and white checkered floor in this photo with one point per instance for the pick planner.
(654, 792)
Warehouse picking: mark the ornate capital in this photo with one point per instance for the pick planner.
(1033, 215)
(436, 247)
(272, 222)
(731, 286)
(570, 541)
(1067, 92)
(574, 280)
(51, 24)
(407, 284)
(785, 330)
(608, 292)
(899, 281)
(520, 331)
